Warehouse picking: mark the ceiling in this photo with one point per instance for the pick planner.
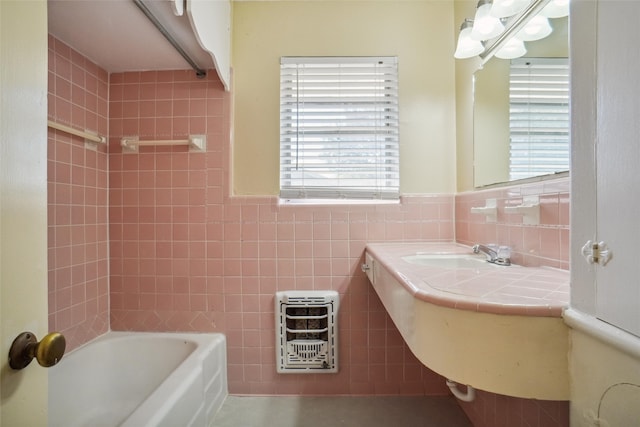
(117, 36)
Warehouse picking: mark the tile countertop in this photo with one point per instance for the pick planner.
(514, 290)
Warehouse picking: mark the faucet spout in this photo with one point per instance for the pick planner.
(492, 256)
(490, 253)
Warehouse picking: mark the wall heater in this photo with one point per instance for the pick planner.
(307, 331)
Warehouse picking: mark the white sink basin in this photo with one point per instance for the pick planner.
(450, 261)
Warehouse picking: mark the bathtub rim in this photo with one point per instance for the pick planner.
(151, 410)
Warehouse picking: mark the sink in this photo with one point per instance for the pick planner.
(450, 261)
(475, 322)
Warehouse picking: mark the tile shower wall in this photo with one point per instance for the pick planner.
(77, 198)
(186, 256)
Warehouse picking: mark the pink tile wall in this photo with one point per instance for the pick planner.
(77, 198)
(494, 410)
(546, 244)
(185, 256)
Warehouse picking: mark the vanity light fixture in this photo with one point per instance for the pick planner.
(467, 47)
(485, 25)
(506, 8)
(527, 24)
(536, 29)
(514, 48)
(556, 9)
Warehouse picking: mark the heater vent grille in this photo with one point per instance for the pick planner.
(306, 331)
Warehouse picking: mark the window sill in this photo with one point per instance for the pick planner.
(331, 202)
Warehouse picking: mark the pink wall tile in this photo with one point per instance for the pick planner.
(494, 410)
(78, 203)
(263, 247)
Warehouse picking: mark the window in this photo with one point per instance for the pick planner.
(538, 116)
(339, 128)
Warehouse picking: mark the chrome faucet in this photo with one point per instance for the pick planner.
(500, 257)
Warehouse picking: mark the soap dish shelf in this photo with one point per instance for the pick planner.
(529, 209)
(489, 210)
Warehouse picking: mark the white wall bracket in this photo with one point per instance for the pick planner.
(529, 209)
(469, 396)
(490, 210)
(196, 143)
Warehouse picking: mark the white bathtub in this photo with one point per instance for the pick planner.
(134, 379)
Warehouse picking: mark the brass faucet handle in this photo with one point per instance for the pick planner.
(47, 352)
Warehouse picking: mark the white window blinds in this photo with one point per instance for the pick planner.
(539, 116)
(339, 128)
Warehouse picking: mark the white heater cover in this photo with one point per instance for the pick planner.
(307, 331)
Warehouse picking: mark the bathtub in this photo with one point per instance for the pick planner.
(135, 379)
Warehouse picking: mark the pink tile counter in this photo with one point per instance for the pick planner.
(490, 288)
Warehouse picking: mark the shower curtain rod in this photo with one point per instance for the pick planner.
(200, 73)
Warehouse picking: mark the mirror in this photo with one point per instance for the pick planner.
(499, 152)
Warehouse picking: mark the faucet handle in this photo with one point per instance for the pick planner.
(504, 256)
(504, 252)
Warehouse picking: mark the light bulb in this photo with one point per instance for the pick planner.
(537, 28)
(485, 26)
(506, 8)
(467, 47)
(556, 9)
(514, 48)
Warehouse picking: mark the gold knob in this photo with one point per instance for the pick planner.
(47, 352)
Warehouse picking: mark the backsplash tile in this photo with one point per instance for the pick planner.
(545, 244)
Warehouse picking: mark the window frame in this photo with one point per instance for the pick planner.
(346, 144)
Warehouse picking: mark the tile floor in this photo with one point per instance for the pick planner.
(250, 411)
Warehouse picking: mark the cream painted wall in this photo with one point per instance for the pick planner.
(418, 32)
(23, 204)
(464, 103)
(605, 383)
